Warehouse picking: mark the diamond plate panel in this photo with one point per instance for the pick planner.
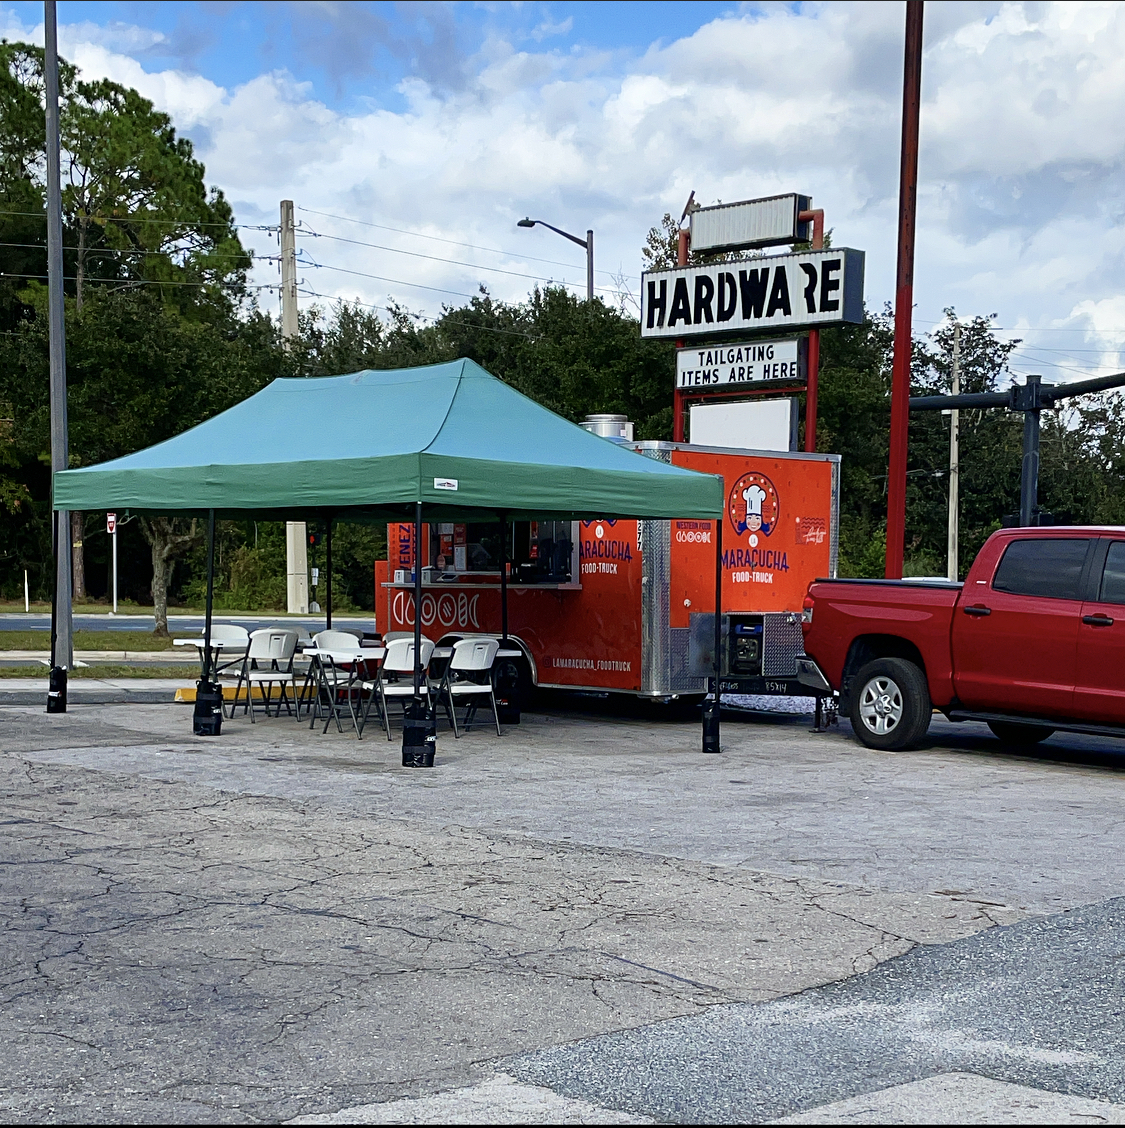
(782, 641)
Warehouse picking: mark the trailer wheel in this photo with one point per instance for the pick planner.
(1011, 732)
(890, 704)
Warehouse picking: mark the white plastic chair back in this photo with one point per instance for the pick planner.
(229, 633)
(393, 636)
(336, 640)
(474, 654)
(400, 655)
(269, 645)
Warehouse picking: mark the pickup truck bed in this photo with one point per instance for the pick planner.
(1034, 640)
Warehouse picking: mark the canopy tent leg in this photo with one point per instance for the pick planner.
(503, 577)
(328, 574)
(711, 706)
(207, 719)
(419, 726)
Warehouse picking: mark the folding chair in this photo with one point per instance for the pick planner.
(336, 677)
(396, 678)
(469, 675)
(268, 662)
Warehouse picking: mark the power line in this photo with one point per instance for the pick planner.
(453, 262)
(393, 281)
(158, 219)
(130, 281)
(444, 320)
(141, 251)
(451, 242)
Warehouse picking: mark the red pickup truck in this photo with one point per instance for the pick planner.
(1031, 642)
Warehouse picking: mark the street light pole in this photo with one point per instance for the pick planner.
(62, 641)
(587, 243)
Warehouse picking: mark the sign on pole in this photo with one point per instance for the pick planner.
(779, 292)
(714, 367)
(111, 522)
(767, 222)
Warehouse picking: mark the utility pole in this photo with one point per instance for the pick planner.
(296, 538)
(62, 637)
(904, 291)
(954, 453)
(589, 265)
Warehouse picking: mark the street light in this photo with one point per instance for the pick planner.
(588, 243)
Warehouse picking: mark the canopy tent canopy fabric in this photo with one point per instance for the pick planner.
(376, 443)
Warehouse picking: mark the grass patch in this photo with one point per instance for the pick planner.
(188, 676)
(86, 640)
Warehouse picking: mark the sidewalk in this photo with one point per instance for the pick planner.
(96, 691)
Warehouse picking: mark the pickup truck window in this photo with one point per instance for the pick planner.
(1113, 576)
(1051, 568)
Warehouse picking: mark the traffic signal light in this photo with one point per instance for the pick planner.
(314, 540)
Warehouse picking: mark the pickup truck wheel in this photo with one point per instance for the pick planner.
(890, 704)
(1010, 732)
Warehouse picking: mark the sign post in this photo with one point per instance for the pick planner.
(111, 528)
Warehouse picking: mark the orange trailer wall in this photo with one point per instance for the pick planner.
(776, 535)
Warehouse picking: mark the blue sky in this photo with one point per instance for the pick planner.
(412, 137)
(353, 52)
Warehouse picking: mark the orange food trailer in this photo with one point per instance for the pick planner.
(627, 606)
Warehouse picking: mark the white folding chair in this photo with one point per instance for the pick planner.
(269, 662)
(338, 654)
(230, 658)
(469, 677)
(396, 677)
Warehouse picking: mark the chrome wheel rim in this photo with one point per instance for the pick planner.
(880, 705)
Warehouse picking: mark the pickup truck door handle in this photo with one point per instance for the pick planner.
(977, 610)
(1098, 620)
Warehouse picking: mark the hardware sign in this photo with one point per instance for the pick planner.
(744, 362)
(780, 292)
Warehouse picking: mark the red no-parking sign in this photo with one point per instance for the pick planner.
(111, 522)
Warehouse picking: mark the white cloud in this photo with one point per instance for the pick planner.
(1021, 152)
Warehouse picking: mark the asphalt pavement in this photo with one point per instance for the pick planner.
(1039, 1004)
(583, 921)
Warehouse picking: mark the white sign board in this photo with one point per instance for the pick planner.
(778, 292)
(111, 522)
(718, 366)
(750, 223)
(747, 424)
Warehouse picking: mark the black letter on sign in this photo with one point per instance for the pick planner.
(779, 295)
(704, 292)
(828, 284)
(655, 303)
(681, 307)
(810, 289)
(728, 297)
(753, 285)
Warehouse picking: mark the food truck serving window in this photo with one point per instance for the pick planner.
(537, 552)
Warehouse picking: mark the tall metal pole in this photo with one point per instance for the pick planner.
(418, 604)
(683, 252)
(811, 394)
(296, 532)
(210, 597)
(115, 569)
(328, 574)
(504, 577)
(589, 266)
(1029, 475)
(904, 290)
(954, 457)
(62, 638)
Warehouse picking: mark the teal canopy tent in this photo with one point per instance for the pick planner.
(375, 444)
(449, 440)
